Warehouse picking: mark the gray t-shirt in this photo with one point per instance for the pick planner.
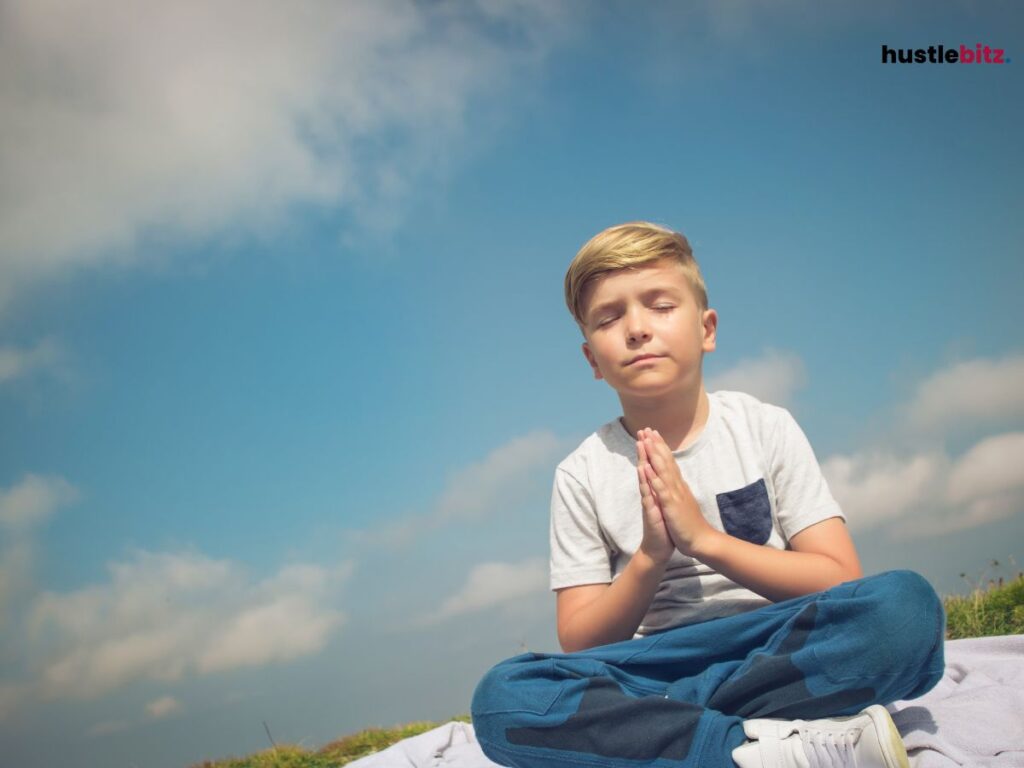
(752, 472)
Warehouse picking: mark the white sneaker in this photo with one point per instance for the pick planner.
(866, 740)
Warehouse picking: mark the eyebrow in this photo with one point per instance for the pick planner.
(646, 295)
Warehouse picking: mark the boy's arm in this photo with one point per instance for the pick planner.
(822, 554)
(597, 614)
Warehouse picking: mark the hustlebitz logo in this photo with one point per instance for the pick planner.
(941, 54)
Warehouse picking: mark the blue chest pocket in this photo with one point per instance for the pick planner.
(747, 512)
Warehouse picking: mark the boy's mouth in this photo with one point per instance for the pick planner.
(638, 358)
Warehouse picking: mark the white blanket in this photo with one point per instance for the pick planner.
(974, 718)
(453, 744)
(975, 715)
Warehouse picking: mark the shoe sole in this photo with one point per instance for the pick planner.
(884, 726)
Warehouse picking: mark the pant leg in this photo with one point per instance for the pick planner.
(556, 710)
(871, 641)
(678, 698)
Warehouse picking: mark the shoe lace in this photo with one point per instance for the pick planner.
(829, 749)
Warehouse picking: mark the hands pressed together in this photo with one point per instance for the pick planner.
(671, 516)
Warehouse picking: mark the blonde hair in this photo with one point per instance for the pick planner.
(627, 246)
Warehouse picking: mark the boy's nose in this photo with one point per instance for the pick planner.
(636, 326)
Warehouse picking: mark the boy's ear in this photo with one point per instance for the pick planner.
(592, 360)
(709, 323)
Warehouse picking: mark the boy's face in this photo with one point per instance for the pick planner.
(649, 310)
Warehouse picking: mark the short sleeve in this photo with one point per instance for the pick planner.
(579, 552)
(802, 496)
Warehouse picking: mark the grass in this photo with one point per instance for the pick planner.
(340, 752)
(996, 608)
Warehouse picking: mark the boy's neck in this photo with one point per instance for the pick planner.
(679, 419)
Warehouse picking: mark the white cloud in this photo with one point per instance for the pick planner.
(284, 624)
(876, 488)
(23, 507)
(162, 616)
(107, 727)
(931, 494)
(978, 513)
(992, 467)
(189, 120)
(985, 485)
(492, 584)
(165, 706)
(33, 500)
(10, 696)
(973, 393)
(505, 477)
(16, 559)
(18, 363)
(473, 491)
(774, 377)
(928, 493)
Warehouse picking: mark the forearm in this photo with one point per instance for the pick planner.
(616, 613)
(774, 573)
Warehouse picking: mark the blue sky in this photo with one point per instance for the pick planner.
(285, 368)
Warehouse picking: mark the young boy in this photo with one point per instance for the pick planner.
(710, 600)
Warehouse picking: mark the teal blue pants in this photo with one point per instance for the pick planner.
(677, 699)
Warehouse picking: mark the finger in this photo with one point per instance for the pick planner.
(649, 504)
(642, 468)
(654, 456)
(659, 444)
(642, 448)
(662, 459)
(647, 494)
(644, 490)
(641, 456)
(658, 486)
(664, 489)
(667, 460)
